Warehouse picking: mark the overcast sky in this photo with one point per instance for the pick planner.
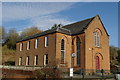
(20, 15)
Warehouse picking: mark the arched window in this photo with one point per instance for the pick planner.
(78, 51)
(96, 39)
(62, 50)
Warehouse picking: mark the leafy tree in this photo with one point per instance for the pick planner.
(3, 33)
(118, 58)
(29, 31)
(8, 55)
(13, 37)
(113, 55)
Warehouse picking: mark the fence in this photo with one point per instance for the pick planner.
(77, 73)
(95, 74)
(20, 67)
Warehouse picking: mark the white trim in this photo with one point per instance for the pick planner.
(64, 50)
(46, 41)
(20, 61)
(28, 45)
(21, 45)
(36, 43)
(45, 60)
(35, 60)
(96, 39)
(27, 60)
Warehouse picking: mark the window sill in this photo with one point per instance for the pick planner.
(97, 47)
(46, 46)
(63, 64)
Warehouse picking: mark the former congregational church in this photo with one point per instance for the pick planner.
(83, 44)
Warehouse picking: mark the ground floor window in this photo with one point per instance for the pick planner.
(20, 61)
(45, 59)
(78, 50)
(27, 60)
(36, 60)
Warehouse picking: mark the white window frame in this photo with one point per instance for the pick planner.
(63, 50)
(96, 39)
(21, 46)
(27, 60)
(45, 59)
(35, 60)
(46, 41)
(20, 61)
(36, 43)
(28, 45)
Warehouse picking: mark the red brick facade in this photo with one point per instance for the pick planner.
(86, 54)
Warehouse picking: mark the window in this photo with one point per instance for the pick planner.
(27, 60)
(36, 43)
(20, 61)
(28, 45)
(21, 46)
(45, 59)
(78, 51)
(62, 51)
(36, 60)
(46, 41)
(96, 39)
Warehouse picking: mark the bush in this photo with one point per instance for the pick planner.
(47, 73)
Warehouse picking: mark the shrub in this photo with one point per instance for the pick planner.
(47, 73)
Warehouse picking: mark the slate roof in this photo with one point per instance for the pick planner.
(71, 29)
(78, 27)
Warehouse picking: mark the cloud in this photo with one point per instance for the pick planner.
(41, 14)
(45, 22)
(27, 10)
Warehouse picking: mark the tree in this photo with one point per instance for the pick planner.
(118, 58)
(3, 33)
(56, 25)
(113, 55)
(12, 38)
(29, 31)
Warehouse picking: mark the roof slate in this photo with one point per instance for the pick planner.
(71, 29)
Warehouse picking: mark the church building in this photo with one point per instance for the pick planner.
(83, 45)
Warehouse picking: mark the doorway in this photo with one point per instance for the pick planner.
(97, 62)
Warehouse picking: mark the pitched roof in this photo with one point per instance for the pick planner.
(78, 27)
(70, 29)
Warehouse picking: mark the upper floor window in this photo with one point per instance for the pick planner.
(46, 41)
(62, 51)
(96, 39)
(20, 61)
(21, 46)
(36, 43)
(28, 45)
(45, 59)
(36, 60)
